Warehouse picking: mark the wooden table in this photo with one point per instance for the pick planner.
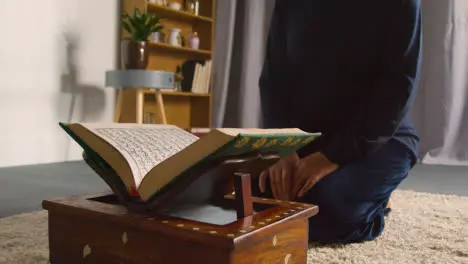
(140, 79)
(211, 218)
(96, 229)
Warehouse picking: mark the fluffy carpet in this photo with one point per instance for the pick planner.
(422, 228)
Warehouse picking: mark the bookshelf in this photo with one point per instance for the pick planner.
(183, 109)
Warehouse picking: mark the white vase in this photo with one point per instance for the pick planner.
(158, 2)
(194, 41)
(174, 37)
(175, 5)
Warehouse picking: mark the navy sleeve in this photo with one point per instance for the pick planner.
(390, 103)
(272, 72)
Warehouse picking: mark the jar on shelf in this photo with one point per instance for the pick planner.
(158, 2)
(174, 37)
(189, 6)
(192, 6)
(175, 5)
(194, 40)
(157, 36)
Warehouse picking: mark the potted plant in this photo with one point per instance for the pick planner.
(140, 26)
(178, 78)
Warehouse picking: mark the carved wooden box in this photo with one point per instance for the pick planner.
(97, 229)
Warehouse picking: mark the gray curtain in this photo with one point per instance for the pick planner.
(240, 41)
(441, 110)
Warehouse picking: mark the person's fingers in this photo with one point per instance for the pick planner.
(277, 183)
(285, 183)
(297, 179)
(284, 175)
(273, 182)
(307, 186)
(262, 181)
(300, 179)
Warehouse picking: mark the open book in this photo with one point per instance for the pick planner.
(147, 158)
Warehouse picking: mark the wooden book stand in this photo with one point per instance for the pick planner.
(212, 219)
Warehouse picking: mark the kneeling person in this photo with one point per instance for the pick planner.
(349, 70)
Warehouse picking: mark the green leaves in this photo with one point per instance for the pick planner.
(136, 14)
(140, 26)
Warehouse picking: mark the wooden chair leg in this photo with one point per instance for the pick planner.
(118, 106)
(160, 107)
(139, 106)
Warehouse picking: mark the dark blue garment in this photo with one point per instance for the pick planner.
(352, 200)
(347, 69)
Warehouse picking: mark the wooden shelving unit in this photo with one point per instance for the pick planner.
(170, 48)
(169, 93)
(184, 109)
(167, 12)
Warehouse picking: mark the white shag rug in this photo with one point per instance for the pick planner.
(422, 228)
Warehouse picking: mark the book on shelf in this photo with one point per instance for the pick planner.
(202, 77)
(144, 161)
(197, 77)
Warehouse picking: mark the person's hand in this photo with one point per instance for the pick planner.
(281, 176)
(309, 171)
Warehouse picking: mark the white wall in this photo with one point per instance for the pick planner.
(43, 80)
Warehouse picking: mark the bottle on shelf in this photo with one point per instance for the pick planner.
(192, 6)
(194, 41)
(197, 7)
(189, 6)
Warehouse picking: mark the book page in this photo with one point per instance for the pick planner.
(143, 146)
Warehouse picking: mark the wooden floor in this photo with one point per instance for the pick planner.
(22, 189)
